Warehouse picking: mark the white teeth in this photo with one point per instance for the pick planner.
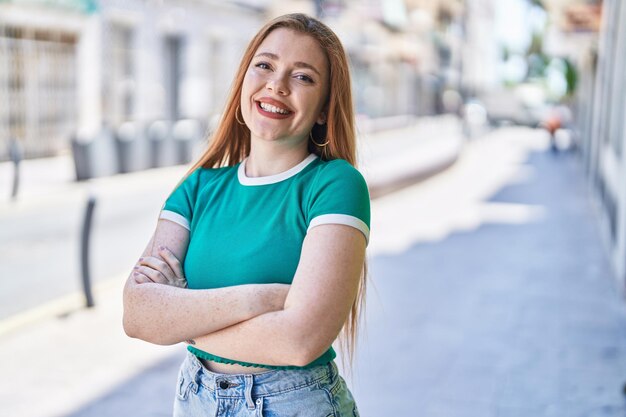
(273, 109)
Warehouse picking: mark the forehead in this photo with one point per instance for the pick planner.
(294, 46)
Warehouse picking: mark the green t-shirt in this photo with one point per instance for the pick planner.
(250, 230)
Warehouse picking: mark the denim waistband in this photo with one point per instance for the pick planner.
(263, 384)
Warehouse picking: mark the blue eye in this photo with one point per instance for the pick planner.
(262, 65)
(305, 78)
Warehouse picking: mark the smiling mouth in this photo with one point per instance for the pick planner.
(272, 111)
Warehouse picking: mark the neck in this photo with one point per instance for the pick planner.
(272, 159)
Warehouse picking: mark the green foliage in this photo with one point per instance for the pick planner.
(571, 76)
(505, 52)
(536, 44)
(537, 65)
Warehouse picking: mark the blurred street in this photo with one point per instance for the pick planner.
(492, 137)
(490, 295)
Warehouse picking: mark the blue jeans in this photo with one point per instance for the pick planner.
(315, 392)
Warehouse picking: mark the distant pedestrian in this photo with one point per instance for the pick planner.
(268, 231)
(552, 124)
(557, 118)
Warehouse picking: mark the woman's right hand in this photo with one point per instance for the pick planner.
(166, 269)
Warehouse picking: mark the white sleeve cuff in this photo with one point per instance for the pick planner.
(176, 218)
(342, 219)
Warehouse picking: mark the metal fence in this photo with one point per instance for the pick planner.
(37, 90)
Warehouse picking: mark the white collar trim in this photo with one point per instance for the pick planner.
(272, 179)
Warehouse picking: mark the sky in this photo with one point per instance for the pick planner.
(515, 21)
(512, 27)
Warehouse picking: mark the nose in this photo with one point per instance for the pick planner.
(277, 85)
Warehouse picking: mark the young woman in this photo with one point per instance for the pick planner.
(271, 225)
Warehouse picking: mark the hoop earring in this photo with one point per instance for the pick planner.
(237, 116)
(321, 145)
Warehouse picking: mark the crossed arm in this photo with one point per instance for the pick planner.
(252, 323)
(168, 314)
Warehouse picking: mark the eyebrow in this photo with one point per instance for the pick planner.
(298, 64)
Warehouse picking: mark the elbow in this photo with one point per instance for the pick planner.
(301, 359)
(306, 349)
(304, 356)
(137, 326)
(130, 326)
(136, 330)
(305, 340)
(129, 323)
(130, 320)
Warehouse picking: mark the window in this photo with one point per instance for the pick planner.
(119, 74)
(37, 89)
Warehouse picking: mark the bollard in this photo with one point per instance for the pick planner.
(84, 250)
(158, 133)
(16, 155)
(185, 132)
(81, 151)
(125, 135)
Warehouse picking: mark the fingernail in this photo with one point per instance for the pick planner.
(135, 267)
(161, 247)
(141, 259)
(135, 274)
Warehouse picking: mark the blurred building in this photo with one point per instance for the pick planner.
(70, 67)
(39, 53)
(404, 54)
(480, 48)
(601, 112)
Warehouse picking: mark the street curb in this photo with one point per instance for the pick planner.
(382, 188)
(59, 307)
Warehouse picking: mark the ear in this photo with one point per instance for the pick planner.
(321, 119)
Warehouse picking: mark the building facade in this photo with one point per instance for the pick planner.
(68, 69)
(601, 127)
(39, 54)
(73, 68)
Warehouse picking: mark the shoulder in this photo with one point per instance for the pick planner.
(338, 175)
(339, 196)
(338, 183)
(339, 170)
(338, 166)
(199, 180)
(202, 177)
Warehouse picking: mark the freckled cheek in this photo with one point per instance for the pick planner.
(315, 102)
(249, 81)
(252, 79)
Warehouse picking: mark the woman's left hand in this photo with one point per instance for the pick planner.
(165, 269)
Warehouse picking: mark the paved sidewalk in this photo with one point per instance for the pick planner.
(492, 295)
(70, 359)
